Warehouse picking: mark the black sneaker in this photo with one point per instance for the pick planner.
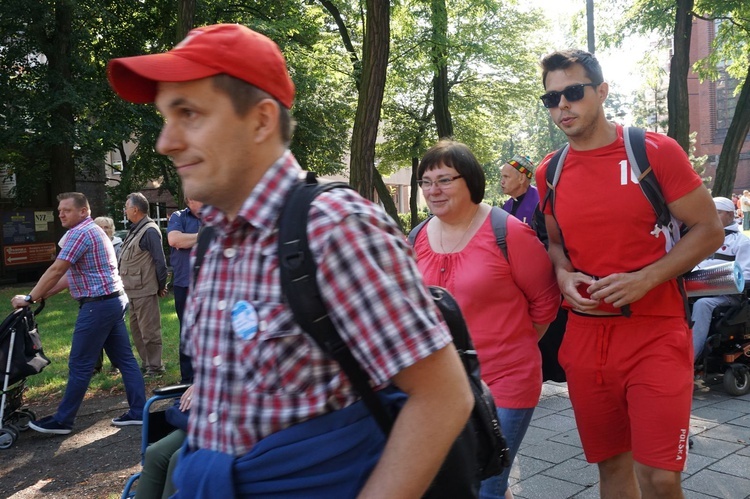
(127, 420)
(49, 425)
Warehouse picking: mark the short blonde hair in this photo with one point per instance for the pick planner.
(107, 224)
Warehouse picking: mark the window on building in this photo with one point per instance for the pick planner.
(724, 105)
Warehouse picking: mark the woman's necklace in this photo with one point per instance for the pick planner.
(466, 231)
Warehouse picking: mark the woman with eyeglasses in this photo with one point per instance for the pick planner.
(507, 303)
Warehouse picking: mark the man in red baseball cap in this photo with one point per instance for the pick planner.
(272, 414)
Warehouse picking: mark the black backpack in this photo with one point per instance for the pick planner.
(480, 451)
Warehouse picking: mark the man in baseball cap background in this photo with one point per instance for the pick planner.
(736, 248)
(225, 94)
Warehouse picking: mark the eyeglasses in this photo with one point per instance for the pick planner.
(572, 93)
(441, 182)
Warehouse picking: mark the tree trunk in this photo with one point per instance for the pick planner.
(185, 16)
(726, 170)
(439, 15)
(385, 197)
(62, 122)
(413, 208)
(590, 26)
(677, 95)
(374, 67)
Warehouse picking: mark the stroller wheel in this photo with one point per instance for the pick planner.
(14, 429)
(25, 416)
(7, 438)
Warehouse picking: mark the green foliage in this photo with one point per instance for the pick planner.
(650, 100)
(103, 29)
(490, 75)
(699, 162)
(731, 46)
(405, 219)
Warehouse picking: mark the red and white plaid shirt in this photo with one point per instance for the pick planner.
(247, 389)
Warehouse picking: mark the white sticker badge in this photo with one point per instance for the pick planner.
(244, 320)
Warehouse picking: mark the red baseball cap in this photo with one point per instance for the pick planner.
(230, 49)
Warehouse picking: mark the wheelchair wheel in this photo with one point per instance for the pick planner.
(737, 382)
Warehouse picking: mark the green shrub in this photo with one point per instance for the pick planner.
(406, 219)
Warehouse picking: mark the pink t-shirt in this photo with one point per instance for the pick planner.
(500, 302)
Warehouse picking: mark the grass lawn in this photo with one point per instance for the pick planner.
(56, 324)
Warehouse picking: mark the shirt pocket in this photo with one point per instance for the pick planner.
(131, 278)
(280, 359)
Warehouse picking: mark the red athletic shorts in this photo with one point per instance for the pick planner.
(631, 385)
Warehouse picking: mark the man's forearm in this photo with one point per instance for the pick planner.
(52, 281)
(181, 240)
(420, 441)
(558, 258)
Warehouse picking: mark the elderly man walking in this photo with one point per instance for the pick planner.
(143, 268)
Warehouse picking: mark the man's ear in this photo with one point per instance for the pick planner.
(603, 91)
(266, 113)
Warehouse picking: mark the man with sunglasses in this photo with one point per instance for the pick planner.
(627, 352)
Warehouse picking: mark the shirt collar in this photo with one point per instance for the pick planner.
(262, 206)
(733, 227)
(140, 222)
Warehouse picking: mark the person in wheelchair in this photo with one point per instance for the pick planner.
(161, 457)
(736, 247)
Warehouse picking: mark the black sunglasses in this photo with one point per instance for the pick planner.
(572, 93)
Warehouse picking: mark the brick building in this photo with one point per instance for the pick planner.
(712, 105)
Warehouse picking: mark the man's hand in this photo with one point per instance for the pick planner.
(569, 283)
(19, 301)
(621, 289)
(163, 292)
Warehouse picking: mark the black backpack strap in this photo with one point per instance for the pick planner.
(205, 236)
(499, 222)
(635, 147)
(412, 237)
(552, 176)
(298, 281)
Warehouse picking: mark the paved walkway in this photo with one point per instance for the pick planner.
(550, 464)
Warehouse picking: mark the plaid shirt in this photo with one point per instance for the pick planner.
(250, 386)
(93, 270)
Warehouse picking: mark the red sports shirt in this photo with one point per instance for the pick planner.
(606, 220)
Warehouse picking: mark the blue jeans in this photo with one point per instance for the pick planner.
(514, 423)
(186, 366)
(101, 324)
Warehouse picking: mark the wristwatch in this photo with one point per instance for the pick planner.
(28, 299)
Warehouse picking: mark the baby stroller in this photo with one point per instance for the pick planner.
(21, 356)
